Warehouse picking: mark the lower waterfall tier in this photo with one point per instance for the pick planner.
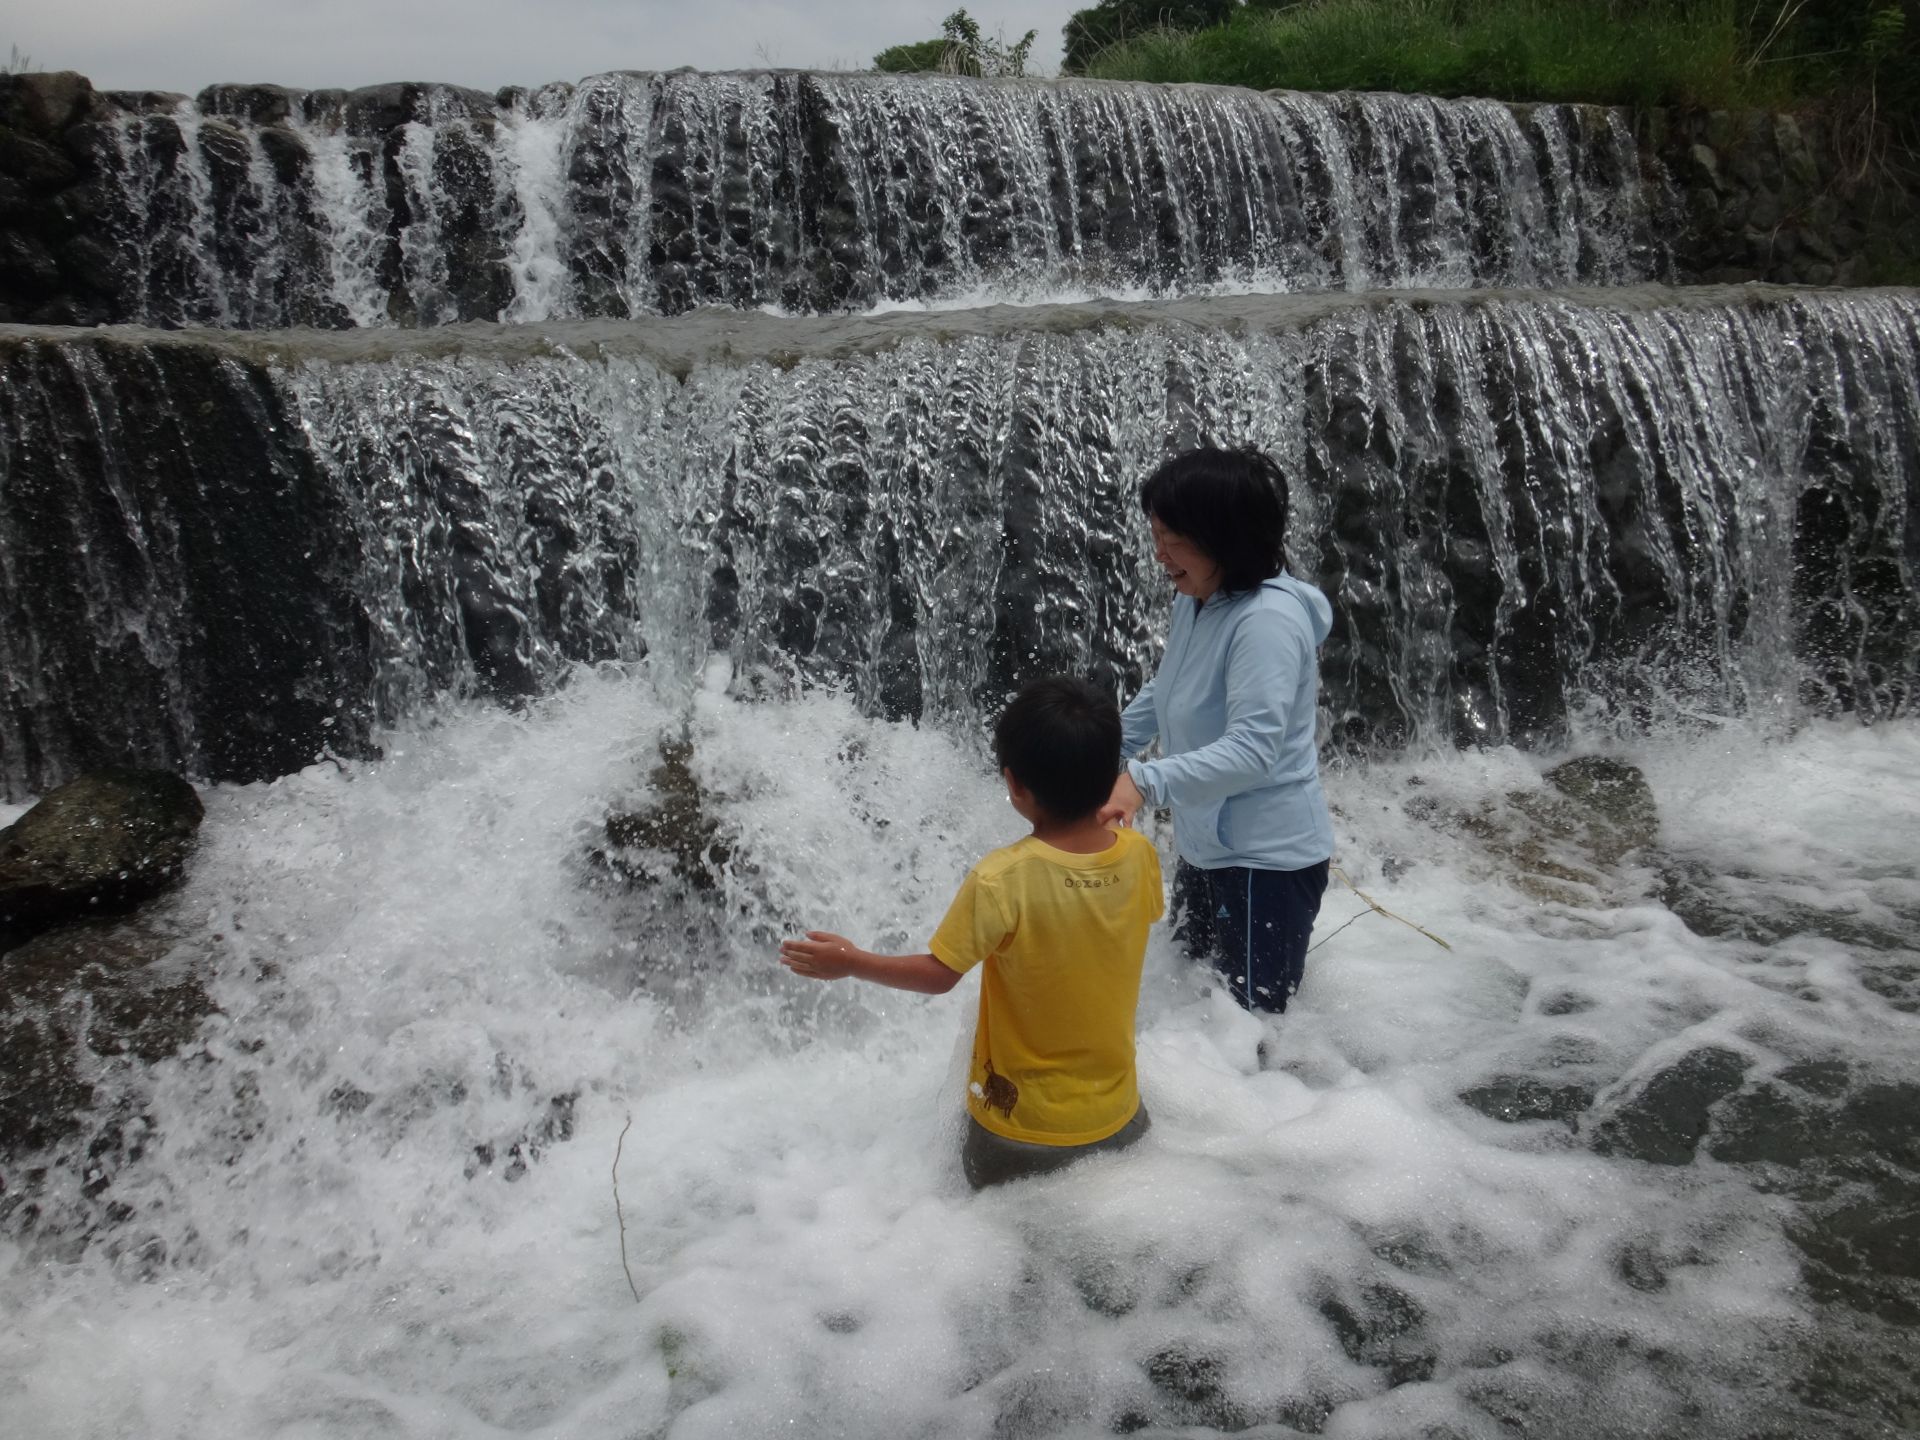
(232, 553)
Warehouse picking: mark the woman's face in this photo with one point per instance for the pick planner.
(1191, 569)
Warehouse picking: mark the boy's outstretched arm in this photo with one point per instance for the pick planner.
(825, 956)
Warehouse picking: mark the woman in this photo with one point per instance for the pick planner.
(1233, 705)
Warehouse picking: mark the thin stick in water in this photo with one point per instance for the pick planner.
(618, 1214)
(1386, 912)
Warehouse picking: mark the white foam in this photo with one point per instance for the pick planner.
(416, 931)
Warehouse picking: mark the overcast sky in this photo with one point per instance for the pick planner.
(185, 44)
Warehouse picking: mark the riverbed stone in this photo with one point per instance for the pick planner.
(1664, 1118)
(103, 842)
(678, 824)
(1512, 1099)
(1614, 803)
(76, 1000)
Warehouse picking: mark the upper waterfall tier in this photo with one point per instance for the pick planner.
(635, 194)
(226, 552)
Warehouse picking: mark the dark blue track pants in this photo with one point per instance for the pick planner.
(1251, 926)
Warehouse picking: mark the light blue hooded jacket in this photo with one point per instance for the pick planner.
(1234, 706)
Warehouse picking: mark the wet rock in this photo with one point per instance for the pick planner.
(1865, 1254)
(1706, 167)
(142, 102)
(1515, 1098)
(1196, 1383)
(34, 163)
(1592, 814)
(1383, 1331)
(92, 264)
(1666, 1117)
(103, 842)
(44, 102)
(511, 1159)
(77, 999)
(27, 268)
(225, 537)
(1740, 905)
(1615, 813)
(378, 109)
(679, 826)
(287, 153)
(260, 104)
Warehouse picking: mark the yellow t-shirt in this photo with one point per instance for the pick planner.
(1062, 937)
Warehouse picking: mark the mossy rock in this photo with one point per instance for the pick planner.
(96, 845)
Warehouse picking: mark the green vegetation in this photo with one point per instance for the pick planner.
(1093, 30)
(1862, 54)
(960, 50)
(1507, 49)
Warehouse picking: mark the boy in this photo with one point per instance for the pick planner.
(1060, 921)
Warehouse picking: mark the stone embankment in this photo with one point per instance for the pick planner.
(1780, 198)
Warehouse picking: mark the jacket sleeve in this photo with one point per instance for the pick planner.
(1264, 660)
(1139, 722)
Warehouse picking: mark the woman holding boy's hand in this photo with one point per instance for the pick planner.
(1234, 705)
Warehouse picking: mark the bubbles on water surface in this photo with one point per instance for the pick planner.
(381, 1176)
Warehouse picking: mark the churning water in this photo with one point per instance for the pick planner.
(376, 1194)
(1631, 1153)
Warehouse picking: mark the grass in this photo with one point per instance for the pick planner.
(1574, 50)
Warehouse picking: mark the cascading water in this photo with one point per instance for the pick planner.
(644, 194)
(1513, 521)
(1633, 1156)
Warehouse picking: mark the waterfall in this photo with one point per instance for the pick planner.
(636, 194)
(699, 461)
(1520, 527)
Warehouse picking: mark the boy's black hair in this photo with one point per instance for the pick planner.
(1231, 503)
(1061, 739)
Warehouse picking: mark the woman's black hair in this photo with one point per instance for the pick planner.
(1231, 503)
(1061, 739)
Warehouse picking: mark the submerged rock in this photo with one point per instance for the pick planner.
(679, 826)
(101, 843)
(1514, 1098)
(1590, 816)
(76, 1000)
(1667, 1116)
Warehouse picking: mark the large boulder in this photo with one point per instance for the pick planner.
(101, 843)
(44, 102)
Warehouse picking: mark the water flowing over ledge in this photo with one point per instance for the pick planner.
(634, 194)
(232, 553)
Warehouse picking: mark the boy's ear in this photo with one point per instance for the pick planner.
(1014, 787)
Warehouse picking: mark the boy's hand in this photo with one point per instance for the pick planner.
(821, 956)
(1123, 804)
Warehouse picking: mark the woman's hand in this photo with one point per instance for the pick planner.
(821, 956)
(1124, 803)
